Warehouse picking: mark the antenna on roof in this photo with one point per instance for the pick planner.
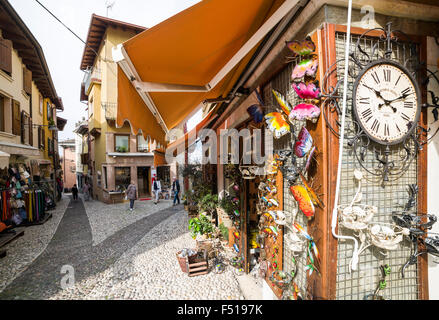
(109, 5)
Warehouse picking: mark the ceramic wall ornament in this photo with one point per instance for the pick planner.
(309, 91)
(278, 124)
(301, 48)
(306, 67)
(304, 143)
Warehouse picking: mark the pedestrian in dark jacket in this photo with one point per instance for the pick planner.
(132, 194)
(176, 190)
(75, 192)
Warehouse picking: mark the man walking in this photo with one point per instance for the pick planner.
(75, 192)
(176, 190)
(157, 188)
(132, 194)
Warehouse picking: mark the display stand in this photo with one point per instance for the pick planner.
(47, 216)
(10, 235)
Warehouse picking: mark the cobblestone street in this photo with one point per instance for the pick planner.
(115, 253)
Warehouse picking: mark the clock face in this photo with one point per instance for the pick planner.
(386, 102)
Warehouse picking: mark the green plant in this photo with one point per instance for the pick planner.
(224, 231)
(209, 203)
(122, 149)
(200, 226)
(228, 205)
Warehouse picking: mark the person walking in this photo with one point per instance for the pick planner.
(86, 191)
(132, 194)
(75, 192)
(176, 190)
(157, 187)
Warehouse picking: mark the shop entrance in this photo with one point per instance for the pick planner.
(143, 178)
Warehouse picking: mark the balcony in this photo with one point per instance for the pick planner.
(110, 109)
(91, 77)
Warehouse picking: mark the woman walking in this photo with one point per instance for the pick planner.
(132, 194)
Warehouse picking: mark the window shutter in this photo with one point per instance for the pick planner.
(43, 138)
(31, 133)
(27, 81)
(16, 118)
(6, 55)
(22, 124)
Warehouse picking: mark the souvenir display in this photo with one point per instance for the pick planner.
(312, 251)
(304, 201)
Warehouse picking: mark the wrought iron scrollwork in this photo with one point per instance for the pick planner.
(389, 162)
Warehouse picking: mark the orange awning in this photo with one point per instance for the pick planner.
(172, 64)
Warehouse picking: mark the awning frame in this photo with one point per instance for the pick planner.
(143, 88)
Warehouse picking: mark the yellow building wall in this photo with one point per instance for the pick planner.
(11, 87)
(106, 92)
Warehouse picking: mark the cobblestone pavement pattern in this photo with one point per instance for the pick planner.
(128, 256)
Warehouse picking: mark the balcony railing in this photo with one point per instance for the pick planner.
(90, 77)
(110, 109)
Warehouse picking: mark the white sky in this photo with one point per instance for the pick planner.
(63, 51)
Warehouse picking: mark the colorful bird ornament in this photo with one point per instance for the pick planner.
(305, 67)
(277, 124)
(283, 103)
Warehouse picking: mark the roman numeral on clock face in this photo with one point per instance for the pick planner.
(375, 77)
(405, 91)
(366, 113)
(364, 100)
(375, 126)
(387, 75)
(405, 117)
(386, 129)
(408, 104)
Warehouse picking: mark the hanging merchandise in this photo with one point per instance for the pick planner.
(277, 124)
(312, 251)
(305, 111)
(308, 91)
(306, 67)
(382, 284)
(302, 48)
(303, 144)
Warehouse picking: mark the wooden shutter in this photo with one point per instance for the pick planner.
(27, 81)
(22, 127)
(43, 138)
(6, 55)
(16, 118)
(31, 133)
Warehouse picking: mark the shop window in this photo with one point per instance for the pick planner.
(41, 105)
(122, 177)
(6, 55)
(164, 175)
(121, 143)
(48, 111)
(24, 128)
(142, 144)
(105, 178)
(99, 178)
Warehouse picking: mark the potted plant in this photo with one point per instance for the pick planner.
(52, 125)
(201, 226)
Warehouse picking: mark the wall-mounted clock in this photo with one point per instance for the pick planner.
(386, 102)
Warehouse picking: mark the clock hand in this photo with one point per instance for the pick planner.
(405, 95)
(378, 94)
